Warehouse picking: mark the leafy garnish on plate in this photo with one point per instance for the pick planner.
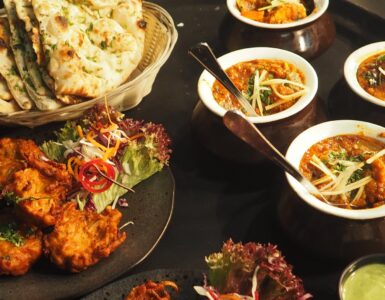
(109, 154)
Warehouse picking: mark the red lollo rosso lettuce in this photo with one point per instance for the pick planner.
(233, 270)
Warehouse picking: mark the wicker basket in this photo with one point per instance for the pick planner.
(161, 37)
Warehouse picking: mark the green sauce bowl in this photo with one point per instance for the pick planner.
(364, 279)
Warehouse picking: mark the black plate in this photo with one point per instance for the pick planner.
(150, 208)
(184, 279)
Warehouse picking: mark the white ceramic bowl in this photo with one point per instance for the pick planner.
(206, 80)
(351, 67)
(320, 132)
(321, 6)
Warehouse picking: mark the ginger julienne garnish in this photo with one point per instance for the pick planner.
(271, 86)
(348, 170)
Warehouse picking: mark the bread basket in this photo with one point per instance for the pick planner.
(161, 37)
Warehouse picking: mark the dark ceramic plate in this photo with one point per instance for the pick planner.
(150, 208)
(184, 279)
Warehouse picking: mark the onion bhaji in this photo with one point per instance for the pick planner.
(10, 159)
(39, 184)
(152, 291)
(20, 247)
(82, 238)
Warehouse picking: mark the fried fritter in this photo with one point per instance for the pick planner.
(40, 186)
(20, 247)
(41, 196)
(152, 291)
(82, 238)
(10, 159)
(38, 160)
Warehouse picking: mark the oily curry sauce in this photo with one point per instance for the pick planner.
(241, 74)
(351, 149)
(371, 75)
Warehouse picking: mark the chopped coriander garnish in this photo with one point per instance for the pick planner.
(103, 45)
(9, 233)
(381, 58)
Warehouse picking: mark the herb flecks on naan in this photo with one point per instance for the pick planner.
(90, 46)
(27, 16)
(9, 71)
(26, 62)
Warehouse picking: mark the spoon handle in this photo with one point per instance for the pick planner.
(205, 56)
(255, 138)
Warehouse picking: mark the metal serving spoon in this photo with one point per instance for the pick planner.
(250, 134)
(205, 56)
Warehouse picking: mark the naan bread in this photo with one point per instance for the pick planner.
(24, 58)
(5, 94)
(8, 68)
(92, 45)
(26, 15)
(8, 107)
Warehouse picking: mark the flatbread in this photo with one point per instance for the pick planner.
(24, 58)
(9, 70)
(8, 107)
(5, 94)
(26, 15)
(92, 45)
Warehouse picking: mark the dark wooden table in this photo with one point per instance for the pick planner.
(217, 199)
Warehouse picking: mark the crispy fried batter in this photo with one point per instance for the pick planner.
(37, 159)
(15, 259)
(42, 196)
(152, 291)
(10, 159)
(41, 184)
(82, 238)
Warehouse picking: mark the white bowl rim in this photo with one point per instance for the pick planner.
(330, 129)
(231, 5)
(351, 66)
(206, 80)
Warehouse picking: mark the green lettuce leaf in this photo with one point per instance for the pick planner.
(52, 149)
(141, 165)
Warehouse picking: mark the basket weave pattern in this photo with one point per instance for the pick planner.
(161, 37)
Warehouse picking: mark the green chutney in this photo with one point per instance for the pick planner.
(366, 283)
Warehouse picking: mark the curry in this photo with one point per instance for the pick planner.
(348, 170)
(271, 86)
(371, 75)
(272, 11)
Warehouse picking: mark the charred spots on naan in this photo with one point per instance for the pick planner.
(142, 24)
(67, 53)
(62, 23)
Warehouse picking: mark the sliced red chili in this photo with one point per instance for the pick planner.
(92, 180)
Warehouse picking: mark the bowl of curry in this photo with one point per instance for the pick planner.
(364, 71)
(345, 160)
(277, 14)
(277, 83)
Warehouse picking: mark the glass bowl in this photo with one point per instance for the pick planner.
(378, 258)
(161, 37)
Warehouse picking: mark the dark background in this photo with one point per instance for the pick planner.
(217, 199)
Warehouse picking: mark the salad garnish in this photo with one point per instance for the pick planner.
(108, 154)
(250, 271)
